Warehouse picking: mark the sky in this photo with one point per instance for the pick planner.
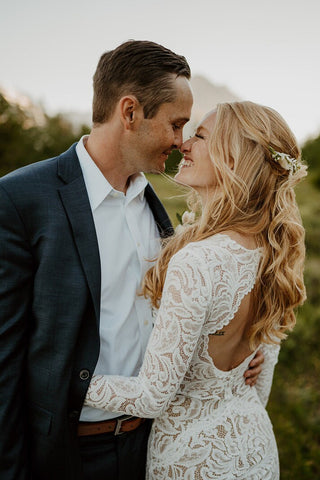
(264, 51)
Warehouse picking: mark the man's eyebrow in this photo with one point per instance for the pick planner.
(181, 120)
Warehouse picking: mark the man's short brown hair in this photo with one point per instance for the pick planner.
(140, 68)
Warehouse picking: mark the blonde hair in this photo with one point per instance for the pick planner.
(256, 196)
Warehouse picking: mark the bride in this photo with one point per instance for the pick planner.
(228, 284)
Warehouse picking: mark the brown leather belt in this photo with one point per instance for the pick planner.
(115, 426)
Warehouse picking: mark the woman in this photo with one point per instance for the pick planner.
(228, 284)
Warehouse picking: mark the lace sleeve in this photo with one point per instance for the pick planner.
(170, 348)
(264, 382)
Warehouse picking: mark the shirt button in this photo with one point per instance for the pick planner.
(146, 322)
(138, 244)
(84, 374)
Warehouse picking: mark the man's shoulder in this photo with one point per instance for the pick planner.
(29, 170)
(40, 172)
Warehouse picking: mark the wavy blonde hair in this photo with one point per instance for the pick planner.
(256, 196)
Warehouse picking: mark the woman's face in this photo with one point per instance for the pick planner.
(196, 169)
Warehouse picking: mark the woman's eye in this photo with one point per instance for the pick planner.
(199, 136)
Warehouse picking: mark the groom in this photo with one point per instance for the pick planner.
(75, 235)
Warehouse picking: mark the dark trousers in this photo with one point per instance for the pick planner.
(120, 457)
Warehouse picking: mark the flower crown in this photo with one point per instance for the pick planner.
(292, 165)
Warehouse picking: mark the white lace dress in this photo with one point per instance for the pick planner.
(208, 423)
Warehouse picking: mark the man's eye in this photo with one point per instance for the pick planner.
(176, 127)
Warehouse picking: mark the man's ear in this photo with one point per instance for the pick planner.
(130, 110)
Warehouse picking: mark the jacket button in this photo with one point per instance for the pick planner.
(84, 374)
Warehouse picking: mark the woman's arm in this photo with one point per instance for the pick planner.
(170, 348)
(264, 381)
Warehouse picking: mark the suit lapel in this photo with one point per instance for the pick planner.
(76, 203)
(160, 215)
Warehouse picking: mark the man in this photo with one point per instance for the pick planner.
(75, 233)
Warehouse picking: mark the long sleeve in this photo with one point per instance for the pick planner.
(264, 382)
(171, 345)
(15, 286)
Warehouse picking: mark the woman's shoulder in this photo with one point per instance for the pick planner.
(227, 240)
(247, 242)
(190, 253)
(231, 244)
(222, 247)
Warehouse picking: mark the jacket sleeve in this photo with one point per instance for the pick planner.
(170, 349)
(15, 305)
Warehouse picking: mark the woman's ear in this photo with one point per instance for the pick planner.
(129, 111)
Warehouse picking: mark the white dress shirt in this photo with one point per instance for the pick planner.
(127, 238)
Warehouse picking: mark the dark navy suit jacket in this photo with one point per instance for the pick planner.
(49, 315)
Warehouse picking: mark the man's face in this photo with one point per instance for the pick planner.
(159, 135)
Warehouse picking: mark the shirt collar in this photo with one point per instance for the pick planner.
(137, 185)
(97, 185)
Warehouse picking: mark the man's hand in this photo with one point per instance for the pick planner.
(254, 370)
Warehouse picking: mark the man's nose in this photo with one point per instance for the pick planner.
(178, 139)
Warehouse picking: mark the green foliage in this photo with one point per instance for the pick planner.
(179, 218)
(23, 141)
(14, 142)
(311, 154)
(173, 161)
(308, 197)
(173, 196)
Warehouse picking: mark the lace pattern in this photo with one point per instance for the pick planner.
(208, 423)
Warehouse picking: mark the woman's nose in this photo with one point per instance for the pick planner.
(186, 146)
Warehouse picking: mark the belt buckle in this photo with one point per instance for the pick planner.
(119, 424)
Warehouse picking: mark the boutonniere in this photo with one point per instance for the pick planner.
(187, 218)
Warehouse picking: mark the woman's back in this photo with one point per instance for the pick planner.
(228, 272)
(230, 346)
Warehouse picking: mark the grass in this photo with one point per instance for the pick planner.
(171, 194)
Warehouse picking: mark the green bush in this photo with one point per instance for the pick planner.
(311, 154)
(24, 141)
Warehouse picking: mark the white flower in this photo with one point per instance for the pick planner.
(285, 161)
(188, 217)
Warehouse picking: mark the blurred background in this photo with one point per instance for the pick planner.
(265, 52)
